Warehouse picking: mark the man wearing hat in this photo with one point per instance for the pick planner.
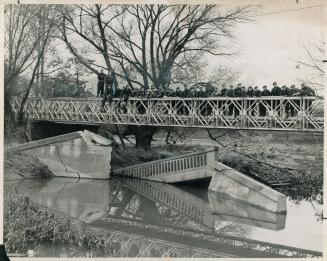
(265, 92)
(276, 91)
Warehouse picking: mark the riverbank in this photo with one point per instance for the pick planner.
(29, 226)
(18, 165)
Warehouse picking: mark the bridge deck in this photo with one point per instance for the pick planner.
(187, 167)
(260, 113)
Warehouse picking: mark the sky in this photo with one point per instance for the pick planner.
(268, 45)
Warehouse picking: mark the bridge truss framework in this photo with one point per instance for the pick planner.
(257, 113)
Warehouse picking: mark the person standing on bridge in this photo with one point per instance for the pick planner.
(293, 93)
(265, 91)
(238, 90)
(306, 90)
(286, 92)
(111, 87)
(100, 87)
(231, 94)
(257, 92)
(126, 93)
(224, 90)
(262, 109)
(276, 91)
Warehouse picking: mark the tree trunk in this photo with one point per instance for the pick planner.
(120, 137)
(143, 136)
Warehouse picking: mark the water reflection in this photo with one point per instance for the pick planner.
(160, 211)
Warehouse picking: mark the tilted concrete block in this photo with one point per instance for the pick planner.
(238, 186)
(80, 154)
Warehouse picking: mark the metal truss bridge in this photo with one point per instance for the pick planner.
(255, 113)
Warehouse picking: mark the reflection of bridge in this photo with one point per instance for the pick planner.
(143, 218)
(264, 113)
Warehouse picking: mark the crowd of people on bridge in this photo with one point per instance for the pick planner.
(108, 90)
(105, 82)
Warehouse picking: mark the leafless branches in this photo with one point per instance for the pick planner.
(146, 44)
(28, 29)
(312, 65)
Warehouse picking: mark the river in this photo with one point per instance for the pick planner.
(153, 219)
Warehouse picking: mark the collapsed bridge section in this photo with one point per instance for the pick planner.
(203, 165)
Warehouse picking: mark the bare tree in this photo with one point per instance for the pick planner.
(25, 45)
(312, 66)
(145, 43)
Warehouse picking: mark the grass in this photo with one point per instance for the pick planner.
(27, 224)
(25, 166)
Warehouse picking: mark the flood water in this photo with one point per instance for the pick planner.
(158, 219)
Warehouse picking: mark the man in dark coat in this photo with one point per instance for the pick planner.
(100, 87)
(238, 93)
(193, 93)
(231, 93)
(243, 92)
(238, 90)
(186, 93)
(223, 92)
(178, 92)
(250, 92)
(307, 91)
(257, 92)
(293, 92)
(262, 109)
(265, 91)
(125, 94)
(111, 87)
(285, 91)
(276, 90)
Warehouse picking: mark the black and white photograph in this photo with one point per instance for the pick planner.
(168, 129)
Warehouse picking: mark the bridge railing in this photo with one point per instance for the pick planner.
(177, 203)
(168, 165)
(278, 113)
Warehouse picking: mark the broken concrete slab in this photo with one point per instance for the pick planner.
(238, 211)
(201, 166)
(80, 154)
(230, 182)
